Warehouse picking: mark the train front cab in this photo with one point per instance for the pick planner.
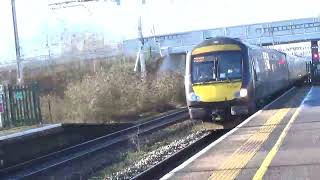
(217, 80)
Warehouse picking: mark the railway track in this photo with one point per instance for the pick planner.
(165, 166)
(48, 164)
(162, 168)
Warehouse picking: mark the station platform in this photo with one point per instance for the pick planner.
(281, 141)
(19, 132)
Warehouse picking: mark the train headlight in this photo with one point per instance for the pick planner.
(193, 97)
(243, 92)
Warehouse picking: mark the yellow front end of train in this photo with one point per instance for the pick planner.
(214, 80)
(217, 92)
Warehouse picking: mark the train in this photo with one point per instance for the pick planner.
(228, 77)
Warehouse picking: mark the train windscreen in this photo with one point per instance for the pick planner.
(220, 66)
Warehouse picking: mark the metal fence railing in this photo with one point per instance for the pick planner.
(20, 105)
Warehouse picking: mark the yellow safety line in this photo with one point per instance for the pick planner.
(239, 159)
(267, 161)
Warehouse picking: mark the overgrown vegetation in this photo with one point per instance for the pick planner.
(112, 92)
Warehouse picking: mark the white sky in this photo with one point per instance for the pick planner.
(36, 21)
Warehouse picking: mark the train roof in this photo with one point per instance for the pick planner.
(229, 40)
(219, 40)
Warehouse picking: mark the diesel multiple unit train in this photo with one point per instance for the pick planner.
(225, 77)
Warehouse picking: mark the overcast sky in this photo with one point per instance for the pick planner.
(36, 21)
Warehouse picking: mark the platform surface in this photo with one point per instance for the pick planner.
(25, 130)
(282, 141)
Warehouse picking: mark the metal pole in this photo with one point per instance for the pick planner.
(141, 55)
(17, 45)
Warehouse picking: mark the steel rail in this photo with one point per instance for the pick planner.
(166, 165)
(44, 164)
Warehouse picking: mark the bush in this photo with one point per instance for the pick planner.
(119, 93)
(53, 109)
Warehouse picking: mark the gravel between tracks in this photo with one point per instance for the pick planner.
(151, 149)
(155, 156)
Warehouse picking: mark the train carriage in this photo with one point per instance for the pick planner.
(225, 76)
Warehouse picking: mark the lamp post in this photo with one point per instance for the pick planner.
(17, 45)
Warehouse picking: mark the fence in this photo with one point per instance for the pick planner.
(20, 105)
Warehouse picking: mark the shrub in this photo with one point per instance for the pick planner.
(53, 109)
(117, 92)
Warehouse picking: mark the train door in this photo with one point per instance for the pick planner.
(258, 74)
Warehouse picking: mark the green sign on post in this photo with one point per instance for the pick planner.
(18, 95)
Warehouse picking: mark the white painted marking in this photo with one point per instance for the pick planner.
(30, 131)
(194, 157)
(308, 97)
